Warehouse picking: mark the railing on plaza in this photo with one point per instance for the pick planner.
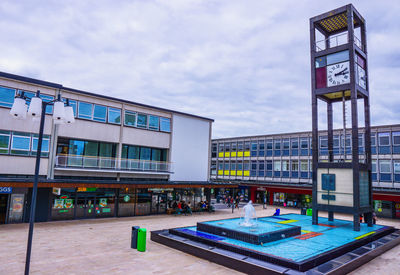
(335, 41)
(106, 163)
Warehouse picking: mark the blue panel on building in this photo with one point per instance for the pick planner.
(329, 197)
(328, 182)
(5, 190)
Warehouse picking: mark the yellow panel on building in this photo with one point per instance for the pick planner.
(247, 173)
(233, 173)
(221, 154)
(220, 172)
(247, 153)
(227, 154)
(233, 154)
(239, 173)
(240, 154)
(226, 172)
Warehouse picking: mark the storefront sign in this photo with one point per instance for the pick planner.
(5, 190)
(58, 203)
(56, 191)
(126, 198)
(86, 189)
(160, 190)
(17, 203)
(106, 210)
(103, 203)
(261, 189)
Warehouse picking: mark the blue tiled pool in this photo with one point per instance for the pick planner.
(313, 241)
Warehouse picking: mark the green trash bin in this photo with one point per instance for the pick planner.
(309, 212)
(141, 242)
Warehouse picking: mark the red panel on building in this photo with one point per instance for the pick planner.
(320, 77)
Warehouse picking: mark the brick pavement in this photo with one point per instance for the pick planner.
(103, 247)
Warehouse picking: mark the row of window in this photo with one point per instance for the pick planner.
(85, 148)
(387, 170)
(95, 112)
(387, 144)
(20, 143)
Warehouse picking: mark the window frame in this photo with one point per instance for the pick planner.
(137, 121)
(28, 137)
(80, 108)
(387, 162)
(150, 117)
(130, 113)
(7, 104)
(114, 110)
(385, 134)
(161, 124)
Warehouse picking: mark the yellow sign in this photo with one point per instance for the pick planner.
(82, 189)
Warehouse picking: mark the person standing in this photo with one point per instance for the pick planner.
(374, 219)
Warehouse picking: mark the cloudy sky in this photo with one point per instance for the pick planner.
(243, 63)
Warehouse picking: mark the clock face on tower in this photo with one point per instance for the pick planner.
(361, 79)
(338, 74)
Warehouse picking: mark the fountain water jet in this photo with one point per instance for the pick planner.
(249, 216)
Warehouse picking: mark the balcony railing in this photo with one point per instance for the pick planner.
(106, 163)
(335, 41)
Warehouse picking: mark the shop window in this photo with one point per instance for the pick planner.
(165, 124)
(6, 97)
(63, 204)
(130, 118)
(153, 122)
(114, 115)
(85, 110)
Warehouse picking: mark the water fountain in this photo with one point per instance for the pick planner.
(249, 217)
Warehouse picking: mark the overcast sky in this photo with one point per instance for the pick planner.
(245, 64)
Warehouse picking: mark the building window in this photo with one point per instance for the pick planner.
(384, 166)
(247, 146)
(85, 110)
(239, 166)
(295, 165)
(277, 166)
(384, 139)
(396, 166)
(373, 139)
(374, 166)
(213, 167)
(396, 138)
(100, 113)
(45, 144)
(246, 166)
(227, 147)
(6, 97)
(130, 118)
(233, 166)
(304, 143)
(269, 144)
(114, 115)
(240, 146)
(142, 121)
(165, 124)
(214, 150)
(323, 142)
(304, 165)
(295, 143)
(4, 142)
(153, 122)
(233, 146)
(72, 103)
(285, 165)
(47, 98)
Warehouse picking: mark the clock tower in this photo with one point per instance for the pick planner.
(339, 74)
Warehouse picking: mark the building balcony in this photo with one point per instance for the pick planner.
(336, 41)
(106, 164)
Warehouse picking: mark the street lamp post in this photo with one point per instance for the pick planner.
(37, 108)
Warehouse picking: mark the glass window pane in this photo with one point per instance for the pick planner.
(277, 166)
(384, 139)
(85, 110)
(133, 152)
(156, 154)
(21, 143)
(165, 124)
(142, 120)
(107, 150)
(100, 113)
(6, 97)
(4, 141)
(45, 144)
(153, 122)
(396, 138)
(47, 98)
(337, 57)
(384, 166)
(91, 148)
(114, 115)
(396, 166)
(130, 118)
(304, 165)
(145, 153)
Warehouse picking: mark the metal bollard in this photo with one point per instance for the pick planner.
(141, 244)
(134, 239)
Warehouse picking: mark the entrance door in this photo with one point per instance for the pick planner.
(85, 207)
(159, 203)
(3, 207)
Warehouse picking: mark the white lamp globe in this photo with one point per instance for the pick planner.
(59, 112)
(18, 110)
(69, 114)
(35, 108)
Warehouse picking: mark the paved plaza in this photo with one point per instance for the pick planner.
(103, 247)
